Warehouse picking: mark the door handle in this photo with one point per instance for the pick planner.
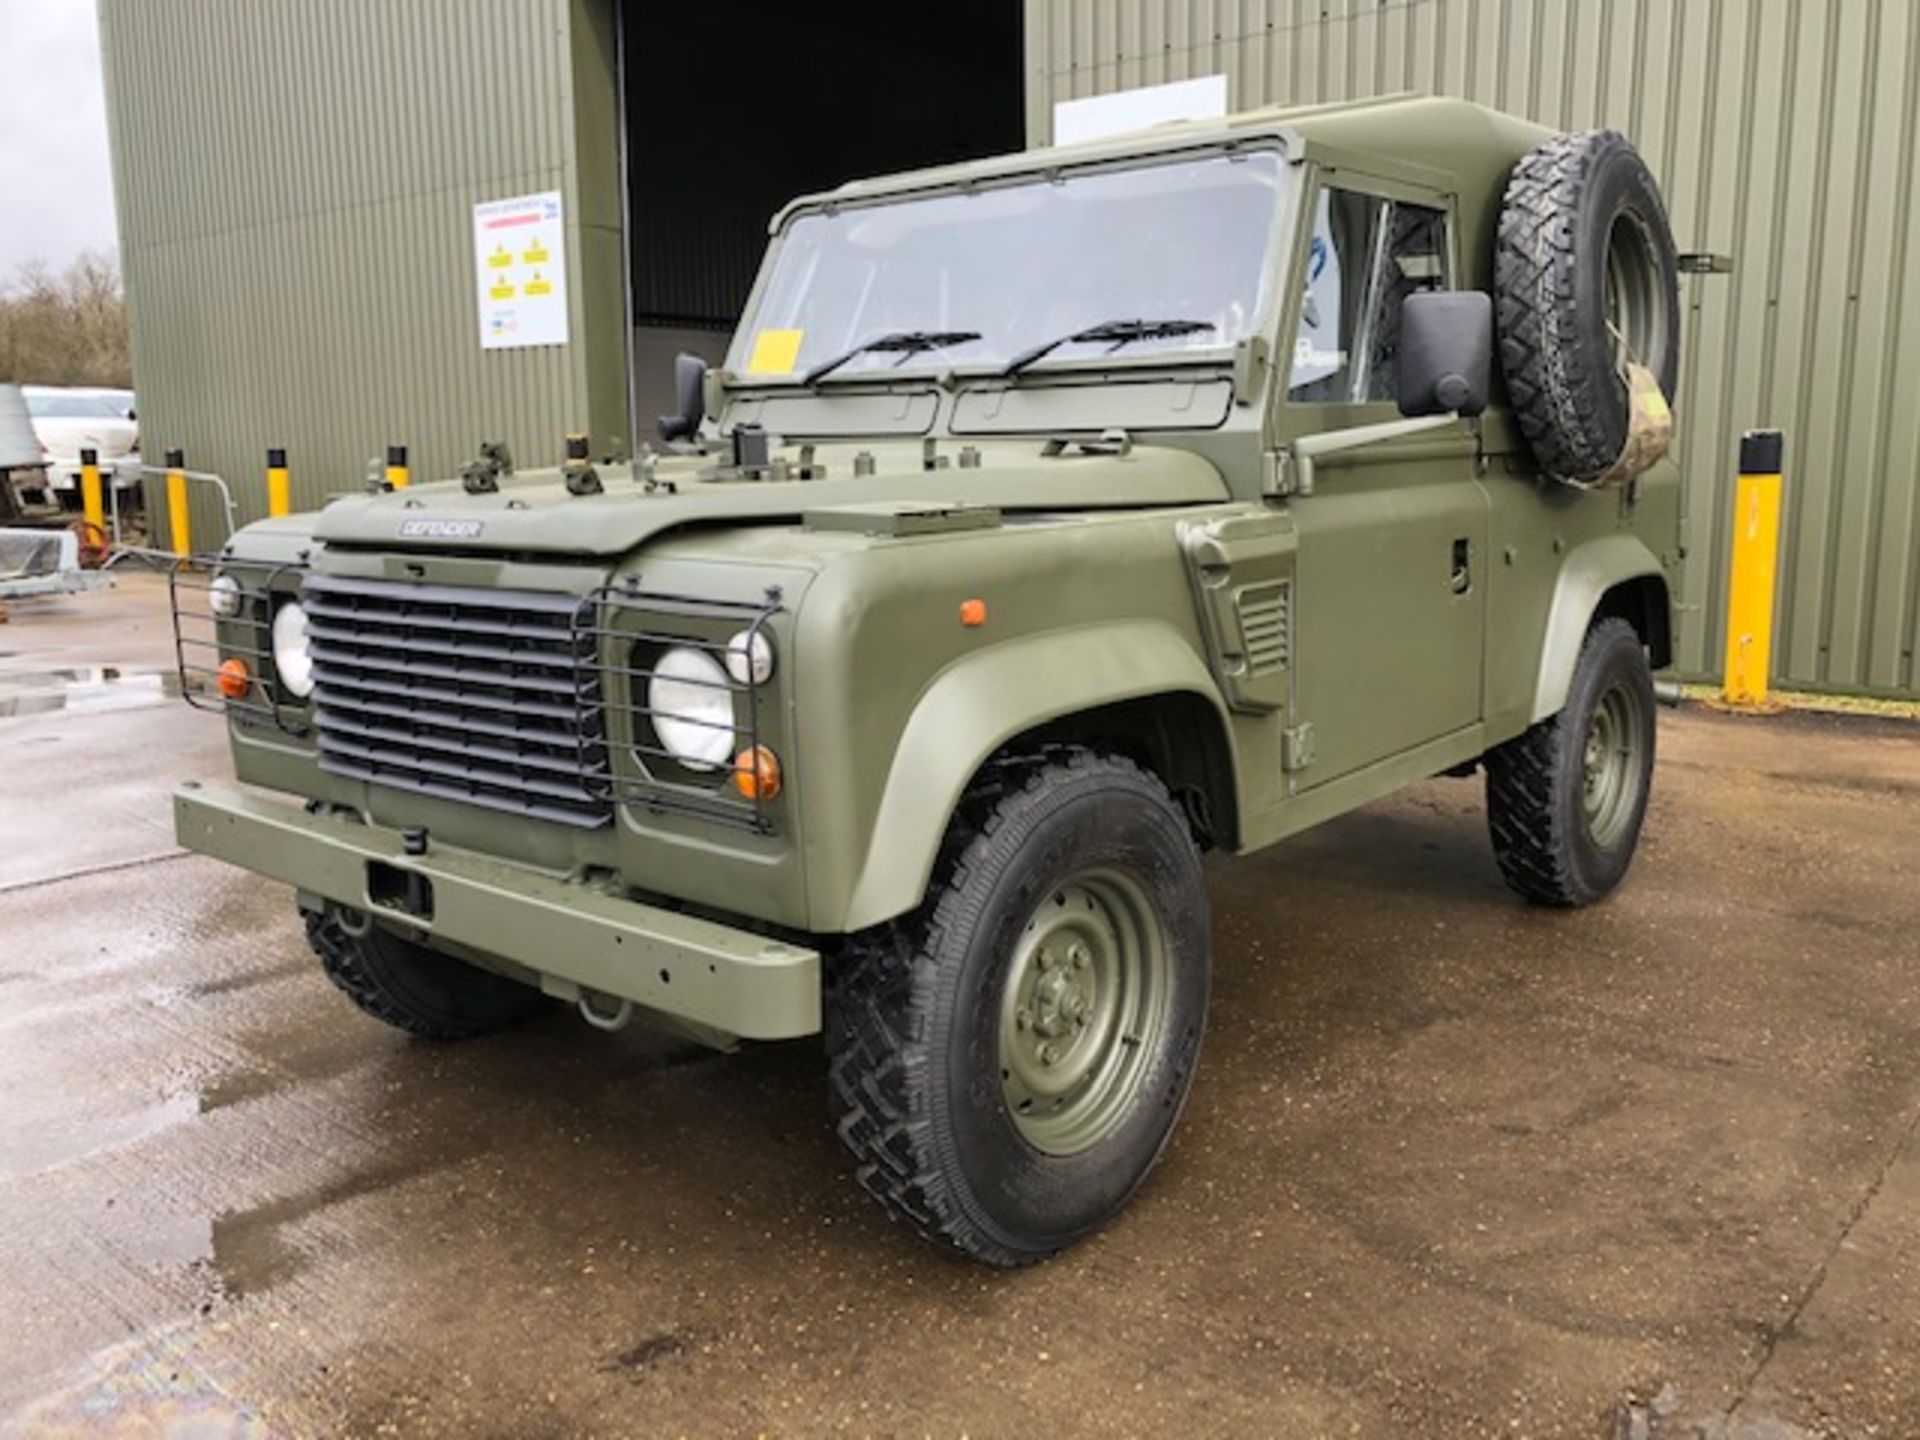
(1461, 580)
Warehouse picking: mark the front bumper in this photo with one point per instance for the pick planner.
(576, 937)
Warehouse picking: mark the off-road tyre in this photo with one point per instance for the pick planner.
(916, 1015)
(412, 988)
(1538, 784)
(1583, 242)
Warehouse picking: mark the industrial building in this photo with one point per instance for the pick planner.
(299, 223)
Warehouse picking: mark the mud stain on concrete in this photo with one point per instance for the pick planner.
(645, 1355)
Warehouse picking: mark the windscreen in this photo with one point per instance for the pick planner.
(1186, 246)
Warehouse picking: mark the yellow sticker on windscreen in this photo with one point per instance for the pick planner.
(775, 352)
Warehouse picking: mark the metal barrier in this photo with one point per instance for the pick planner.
(180, 529)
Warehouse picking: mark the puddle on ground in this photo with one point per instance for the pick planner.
(236, 1086)
(233, 1255)
(249, 1257)
(29, 1148)
(84, 689)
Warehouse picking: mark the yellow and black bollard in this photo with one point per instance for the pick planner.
(92, 501)
(1750, 577)
(179, 521)
(279, 489)
(398, 477)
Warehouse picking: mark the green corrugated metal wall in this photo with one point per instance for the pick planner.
(1784, 133)
(294, 184)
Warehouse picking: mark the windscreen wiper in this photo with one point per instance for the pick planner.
(907, 343)
(1118, 332)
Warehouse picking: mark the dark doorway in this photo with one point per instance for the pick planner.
(733, 107)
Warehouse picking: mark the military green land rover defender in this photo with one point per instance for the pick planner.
(1052, 520)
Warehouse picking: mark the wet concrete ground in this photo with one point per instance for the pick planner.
(1452, 1166)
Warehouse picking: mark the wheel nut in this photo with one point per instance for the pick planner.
(1047, 960)
(1023, 1019)
(1047, 1055)
(1080, 957)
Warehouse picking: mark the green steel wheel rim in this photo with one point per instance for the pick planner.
(1611, 764)
(1635, 295)
(1083, 1011)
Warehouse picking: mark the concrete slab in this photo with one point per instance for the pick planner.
(1452, 1166)
(93, 736)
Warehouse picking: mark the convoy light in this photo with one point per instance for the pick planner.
(750, 657)
(756, 773)
(223, 596)
(292, 659)
(692, 708)
(234, 679)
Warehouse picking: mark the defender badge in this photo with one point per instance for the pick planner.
(441, 529)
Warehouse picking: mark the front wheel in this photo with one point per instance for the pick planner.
(1008, 1063)
(1565, 800)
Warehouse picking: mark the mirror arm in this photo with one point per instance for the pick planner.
(1309, 448)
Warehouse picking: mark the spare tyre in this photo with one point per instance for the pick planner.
(1585, 283)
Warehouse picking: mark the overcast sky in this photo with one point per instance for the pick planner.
(56, 188)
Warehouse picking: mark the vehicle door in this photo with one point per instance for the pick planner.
(1391, 592)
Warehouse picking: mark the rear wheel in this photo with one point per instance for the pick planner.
(412, 988)
(1008, 1063)
(1565, 800)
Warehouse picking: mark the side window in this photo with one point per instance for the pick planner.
(1367, 256)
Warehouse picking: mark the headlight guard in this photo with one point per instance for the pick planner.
(677, 719)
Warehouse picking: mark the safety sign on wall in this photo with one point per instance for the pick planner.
(519, 258)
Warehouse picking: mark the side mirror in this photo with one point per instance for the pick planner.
(689, 397)
(1445, 363)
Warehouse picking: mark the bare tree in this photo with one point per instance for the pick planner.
(65, 328)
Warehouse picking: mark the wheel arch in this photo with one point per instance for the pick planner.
(1179, 736)
(1643, 602)
(1614, 575)
(1138, 687)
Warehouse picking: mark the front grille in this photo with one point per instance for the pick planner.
(467, 694)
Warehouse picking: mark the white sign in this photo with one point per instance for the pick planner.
(1098, 116)
(520, 267)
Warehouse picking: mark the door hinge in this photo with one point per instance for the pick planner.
(1277, 477)
(1296, 747)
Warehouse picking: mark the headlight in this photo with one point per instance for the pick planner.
(223, 596)
(292, 660)
(750, 657)
(692, 708)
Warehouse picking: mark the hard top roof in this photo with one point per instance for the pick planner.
(1436, 132)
